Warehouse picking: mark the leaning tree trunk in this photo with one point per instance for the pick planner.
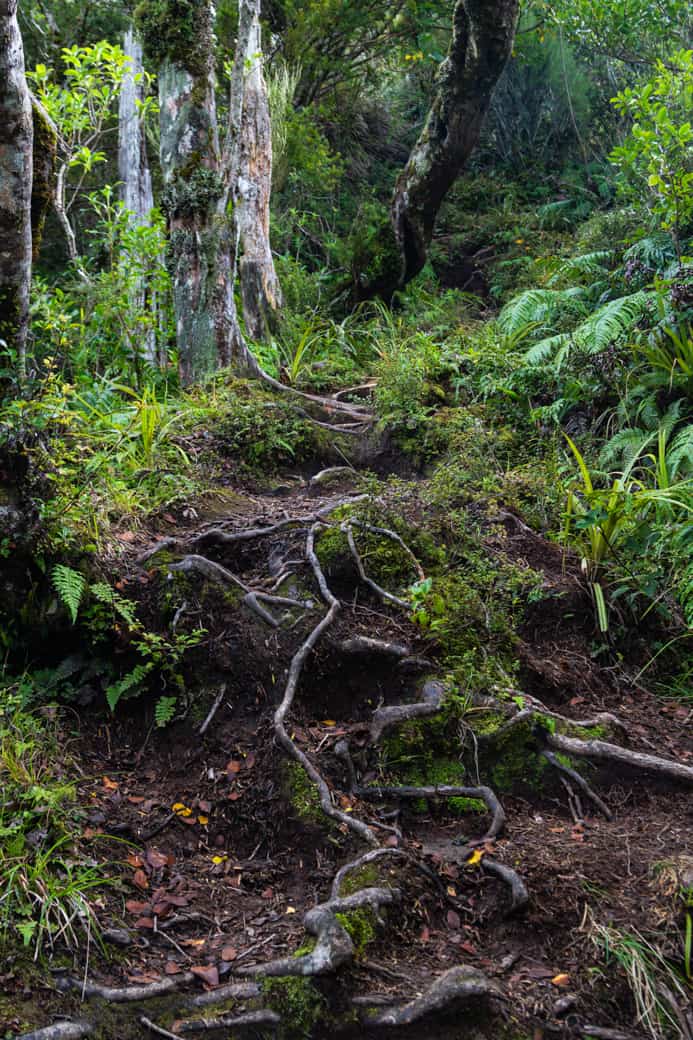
(198, 178)
(260, 288)
(16, 145)
(483, 33)
(133, 170)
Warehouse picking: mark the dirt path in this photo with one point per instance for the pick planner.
(228, 848)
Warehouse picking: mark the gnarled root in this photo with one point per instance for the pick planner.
(334, 946)
(431, 698)
(455, 986)
(251, 1019)
(518, 889)
(484, 794)
(60, 1031)
(601, 751)
(125, 994)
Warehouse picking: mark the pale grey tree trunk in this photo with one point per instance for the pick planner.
(16, 147)
(260, 289)
(134, 174)
(199, 176)
(483, 33)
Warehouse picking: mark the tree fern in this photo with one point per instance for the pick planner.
(594, 265)
(69, 584)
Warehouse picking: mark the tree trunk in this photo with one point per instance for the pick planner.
(198, 178)
(133, 171)
(45, 144)
(16, 145)
(483, 33)
(260, 288)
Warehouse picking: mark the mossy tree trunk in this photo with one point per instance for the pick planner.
(16, 177)
(483, 33)
(260, 288)
(199, 174)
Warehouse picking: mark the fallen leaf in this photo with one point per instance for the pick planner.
(561, 981)
(234, 766)
(134, 907)
(392, 841)
(219, 859)
(110, 785)
(204, 820)
(250, 760)
(140, 879)
(453, 919)
(181, 810)
(291, 910)
(171, 968)
(425, 934)
(234, 796)
(476, 857)
(208, 973)
(267, 893)
(126, 536)
(451, 891)
(229, 953)
(134, 860)
(135, 799)
(204, 806)
(145, 922)
(468, 947)
(156, 860)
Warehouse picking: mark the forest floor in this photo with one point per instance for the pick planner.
(222, 848)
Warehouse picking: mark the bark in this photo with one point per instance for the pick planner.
(133, 168)
(260, 288)
(482, 40)
(45, 145)
(16, 146)
(198, 177)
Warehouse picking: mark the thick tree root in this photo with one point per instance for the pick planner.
(431, 698)
(368, 645)
(231, 991)
(334, 946)
(251, 1019)
(601, 751)
(518, 889)
(456, 986)
(484, 794)
(387, 597)
(60, 1031)
(125, 994)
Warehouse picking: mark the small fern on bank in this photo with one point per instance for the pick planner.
(165, 710)
(70, 585)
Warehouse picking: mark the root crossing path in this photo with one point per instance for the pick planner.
(326, 832)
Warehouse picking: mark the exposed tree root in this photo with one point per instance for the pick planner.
(213, 710)
(347, 527)
(251, 1019)
(367, 645)
(231, 991)
(580, 781)
(431, 699)
(334, 946)
(295, 670)
(519, 893)
(60, 1031)
(484, 794)
(159, 1030)
(362, 861)
(331, 473)
(601, 751)
(453, 987)
(125, 994)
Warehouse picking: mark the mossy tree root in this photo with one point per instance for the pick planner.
(387, 597)
(334, 946)
(601, 751)
(429, 704)
(295, 671)
(454, 987)
(249, 1020)
(484, 794)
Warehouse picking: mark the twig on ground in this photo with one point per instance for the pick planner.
(158, 1029)
(213, 710)
(381, 592)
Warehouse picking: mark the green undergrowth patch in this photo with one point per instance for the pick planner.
(297, 1001)
(46, 886)
(302, 795)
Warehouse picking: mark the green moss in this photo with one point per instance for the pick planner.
(179, 31)
(360, 924)
(302, 794)
(365, 877)
(297, 1001)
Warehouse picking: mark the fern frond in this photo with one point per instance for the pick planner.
(69, 584)
(165, 710)
(547, 349)
(124, 608)
(680, 454)
(613, 321)
(624, 448)
(541, 306)
(128, 682)
(590, 265)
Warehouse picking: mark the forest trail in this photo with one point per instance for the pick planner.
(228, 848)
